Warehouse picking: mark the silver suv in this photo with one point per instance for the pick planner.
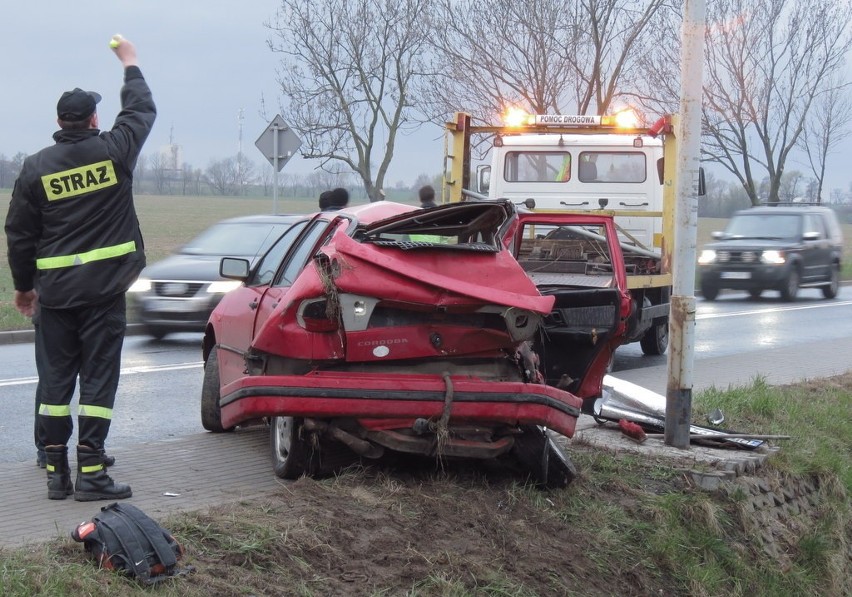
(781, 248)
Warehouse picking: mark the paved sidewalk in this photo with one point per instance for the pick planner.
(203, 469)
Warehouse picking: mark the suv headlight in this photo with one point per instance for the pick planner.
(140, 285)
(707, 257)
(773, 257)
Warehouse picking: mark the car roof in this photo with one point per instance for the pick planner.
(375, 211)
(264, 219)
(784, 209)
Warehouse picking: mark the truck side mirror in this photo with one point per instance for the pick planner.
(483, 179)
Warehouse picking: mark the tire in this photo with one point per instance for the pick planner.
(656, 339)
(755, 293)
(156, 332)
(289, 449)
(790, 288)
(830, 290)
(211, 411)
(709, 292)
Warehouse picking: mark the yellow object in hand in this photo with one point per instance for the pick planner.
(115, 41)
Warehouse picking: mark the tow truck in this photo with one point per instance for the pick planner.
(585, 164)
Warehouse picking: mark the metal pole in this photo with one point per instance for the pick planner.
(275, 168)
(682, 318)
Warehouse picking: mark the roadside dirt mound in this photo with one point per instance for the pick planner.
(410, 531)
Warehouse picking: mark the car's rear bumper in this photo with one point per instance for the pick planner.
(388, 396)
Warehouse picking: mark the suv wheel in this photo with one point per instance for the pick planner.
(790, 288)
(709, 292)
(755, 293)
(829, 291)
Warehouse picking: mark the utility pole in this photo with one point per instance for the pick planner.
(682, 321)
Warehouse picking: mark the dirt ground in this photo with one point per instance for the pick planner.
(407, 529)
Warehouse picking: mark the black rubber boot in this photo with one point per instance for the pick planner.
(93, 483)
(58, 472)
(108, 460)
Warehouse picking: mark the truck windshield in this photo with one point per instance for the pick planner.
(537, 166)
(612, 166)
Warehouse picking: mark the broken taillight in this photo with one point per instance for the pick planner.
(315, 315)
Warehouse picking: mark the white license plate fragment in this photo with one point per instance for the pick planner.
(171, 306)
(735, 275)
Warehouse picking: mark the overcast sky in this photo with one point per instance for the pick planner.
(205, 60)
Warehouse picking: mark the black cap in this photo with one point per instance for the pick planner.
(77, 105)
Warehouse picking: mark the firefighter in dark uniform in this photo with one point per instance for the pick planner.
(73, 234)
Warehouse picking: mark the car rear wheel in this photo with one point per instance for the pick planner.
(791, 285)
(211, 411)
(829, 291)
(289, 449)
(656, 339)
(709, 292)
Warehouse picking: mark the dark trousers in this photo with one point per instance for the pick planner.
(84, 341)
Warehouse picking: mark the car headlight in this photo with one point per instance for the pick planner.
(140, 285)
(223, 286)
(707, 256)
(773, 257)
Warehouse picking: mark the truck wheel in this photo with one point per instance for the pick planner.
(211, 411)
(709, 292)
(829, 291)
(656, 339)
(755, 293)
(289, 449)
(790, 288)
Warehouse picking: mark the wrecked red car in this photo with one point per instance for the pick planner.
(386, 327)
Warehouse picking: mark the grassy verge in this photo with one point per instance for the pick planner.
(626, 526)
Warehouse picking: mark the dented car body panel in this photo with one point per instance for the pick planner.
(389, 327)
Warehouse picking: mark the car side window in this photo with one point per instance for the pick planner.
(299, 256)
(814, 224)
(268, 265)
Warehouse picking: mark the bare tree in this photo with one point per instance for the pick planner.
(221, 176)
(346, 77)
(244, 175)
(542, 55)
(767, 63)
(158, 166)
(827, 126)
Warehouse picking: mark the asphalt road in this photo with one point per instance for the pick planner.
(736, 339)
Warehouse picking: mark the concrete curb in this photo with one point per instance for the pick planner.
(23, 336)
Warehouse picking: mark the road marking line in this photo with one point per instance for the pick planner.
(20, 381)
(772, 310)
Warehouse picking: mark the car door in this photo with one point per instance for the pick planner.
(234, 318)
(293, 263)
(815, 248)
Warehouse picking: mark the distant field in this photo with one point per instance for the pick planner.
(168, 222)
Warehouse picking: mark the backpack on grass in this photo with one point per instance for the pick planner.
(125, 539)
